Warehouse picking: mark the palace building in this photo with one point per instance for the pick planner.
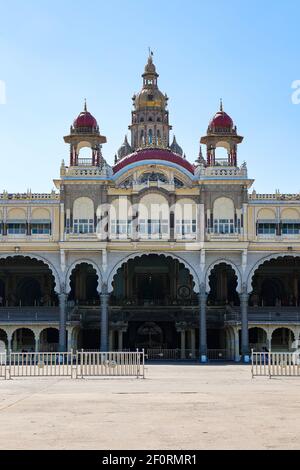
(181, 258)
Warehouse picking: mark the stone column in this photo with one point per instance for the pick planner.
(110, 339)
(120, 340)
(193, 343)
(244, 297)
(62, 321)
(236, 345)
(104, 296)
(202, 325)
(182, 345)
(9, 345)
(37, 343)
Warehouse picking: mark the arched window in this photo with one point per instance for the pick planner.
(223, 216)
(83, 215)
(153, 216)
(150, 136)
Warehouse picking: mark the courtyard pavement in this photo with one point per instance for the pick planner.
(175, 407)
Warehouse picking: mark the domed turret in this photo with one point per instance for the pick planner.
(221, 132)
(85, 122)
(175, 147)
(150, 118)
(125, 149)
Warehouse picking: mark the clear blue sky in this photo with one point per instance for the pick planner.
(54, 53)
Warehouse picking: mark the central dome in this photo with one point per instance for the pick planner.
(153, 154)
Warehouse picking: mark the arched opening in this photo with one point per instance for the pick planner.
(3, 336)
(151, 293)
(258, 339)
(29, 291)
(84, 295)
(223, 284)
(276, 283)
(26, 282)
(282, 339)
(84, 285)
(23, 340)
(49, 340)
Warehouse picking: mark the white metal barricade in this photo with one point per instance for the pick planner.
(276, 364)
(80, 364)
(3, 359)
(111, 364)
(41, 364)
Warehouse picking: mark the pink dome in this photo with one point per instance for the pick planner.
(221, 120)
(153, 154)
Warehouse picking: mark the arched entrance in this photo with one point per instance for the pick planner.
(282, 340)
(276, 282)
(49, 340)
(152, 302)
(258, 339)
(26, 282)
(23, 340)
(223, 284)
(84, 296)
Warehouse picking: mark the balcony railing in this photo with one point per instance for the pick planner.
(34, 314)
(265, 315)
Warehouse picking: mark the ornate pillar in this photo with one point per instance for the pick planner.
(62, 321)
(244, 298)
(9, 340)
(202, 324)
(110, 339)
(104, 296)
(120, 340)
(37, 342)
(193, 343)
(237, 356)
(182, 344)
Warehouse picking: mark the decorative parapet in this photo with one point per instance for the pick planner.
(274, 196)
(85, 171)
(223, 172)
(29, 195)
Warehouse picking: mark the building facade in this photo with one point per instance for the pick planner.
(182, 259)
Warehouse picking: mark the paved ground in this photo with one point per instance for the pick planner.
(176, 407)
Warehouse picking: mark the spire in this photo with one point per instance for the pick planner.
(85, 106)
(175, 147)
(221, 105)
(200, 160)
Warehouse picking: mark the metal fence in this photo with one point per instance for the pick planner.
(161, 354)
(75, 365)
(111, 364)
(276, 364)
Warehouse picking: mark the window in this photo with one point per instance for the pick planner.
(266, 228)
(83, 226)
(42, 228)
(153, 227)
(17, 229)
(223, 226)
(120, 227)
(185, 227)
(291, 228)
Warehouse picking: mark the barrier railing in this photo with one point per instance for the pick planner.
(275, 364)
(157, 354)
(68, 364)
(111, 364)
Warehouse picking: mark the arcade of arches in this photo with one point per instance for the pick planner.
(152, 305)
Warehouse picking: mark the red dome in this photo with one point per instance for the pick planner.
(85, 119)
(153, 154)
(221, 120)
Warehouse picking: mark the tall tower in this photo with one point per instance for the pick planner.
(85, 133)
(221, 132)
(150, 117)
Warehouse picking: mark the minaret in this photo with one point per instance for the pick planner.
(85, 133)
(221, 132)
(150, 117)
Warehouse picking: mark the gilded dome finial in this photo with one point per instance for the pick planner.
(85, 106)
(221, 105)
